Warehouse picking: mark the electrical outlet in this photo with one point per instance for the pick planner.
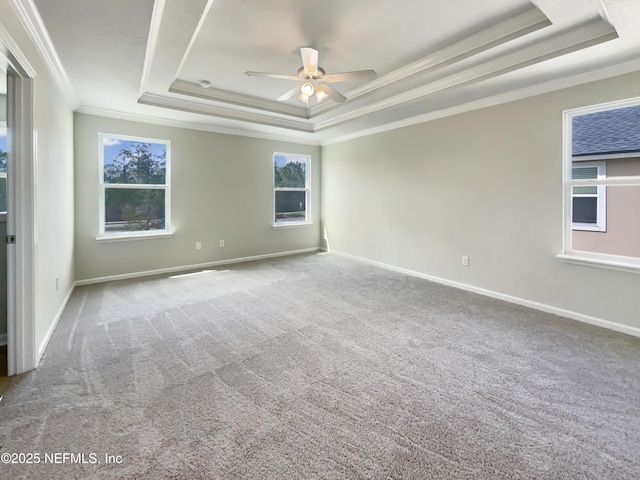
(57, 283)
(221, 243)
(198, 245)
(465, 261)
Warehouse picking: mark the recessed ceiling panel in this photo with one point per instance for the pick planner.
(265, 35)
(148, 57)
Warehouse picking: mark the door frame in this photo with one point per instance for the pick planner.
(21, 166)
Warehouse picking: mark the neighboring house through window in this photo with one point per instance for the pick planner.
(602, 183)
(291, 182)
(134, 186)
(589, 203)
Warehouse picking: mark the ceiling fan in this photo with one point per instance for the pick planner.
(313, 79)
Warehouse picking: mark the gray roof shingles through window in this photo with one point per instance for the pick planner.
(607, 132)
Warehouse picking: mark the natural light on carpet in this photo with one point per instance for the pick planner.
(197, 274)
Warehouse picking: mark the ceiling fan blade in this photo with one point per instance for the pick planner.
(286, 96)
(345, 76)
(334, 95)
(272, 75)
(309, 60)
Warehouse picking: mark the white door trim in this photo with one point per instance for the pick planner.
(21, 341)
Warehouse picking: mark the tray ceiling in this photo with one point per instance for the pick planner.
(148, 58)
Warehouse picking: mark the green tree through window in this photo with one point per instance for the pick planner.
(291, 175)
(135, 185)
(136, 164)
(290, 180)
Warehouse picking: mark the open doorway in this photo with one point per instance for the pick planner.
(18, 244)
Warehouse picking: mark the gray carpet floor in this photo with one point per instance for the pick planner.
(316, 366)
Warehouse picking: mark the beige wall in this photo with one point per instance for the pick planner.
(53, 121)
(486, 184)
(54, 204)
(623, 167)
(622, 236)
(222, 188)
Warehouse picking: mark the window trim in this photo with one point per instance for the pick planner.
(579, 257)
(307, 190)
(104, 236)
(601, 196)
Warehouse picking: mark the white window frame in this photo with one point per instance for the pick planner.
(104, 236)
(601, 196)
(579, 257)
(307, 190)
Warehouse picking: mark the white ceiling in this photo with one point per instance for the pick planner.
(432, 57)
(349, 35)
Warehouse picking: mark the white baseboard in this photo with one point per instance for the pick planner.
(54, 324)
(3, 340)
(183, 268)
(618, 327)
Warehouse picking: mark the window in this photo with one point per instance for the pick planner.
(134, 186)
(602, 185)
(3, 167)
(291, 189)
(589, 202)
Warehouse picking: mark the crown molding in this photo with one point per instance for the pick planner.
(165, 122)
(170, 35)
(32, 22)
(518, 94)
(519, 25)
(514, 95)
(196, 31)
(481, 56)
(589, 33)
(222, 112)
(231, 98)
(152, 43)
(431, 84)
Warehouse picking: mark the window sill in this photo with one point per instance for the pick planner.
(588, 228)
(132, 237)
(292, 224)
(620, 265)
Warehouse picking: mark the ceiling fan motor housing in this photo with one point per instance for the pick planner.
(306, 76)
(314, 79)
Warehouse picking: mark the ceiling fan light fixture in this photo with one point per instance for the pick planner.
(313, 80)
(307, 89)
